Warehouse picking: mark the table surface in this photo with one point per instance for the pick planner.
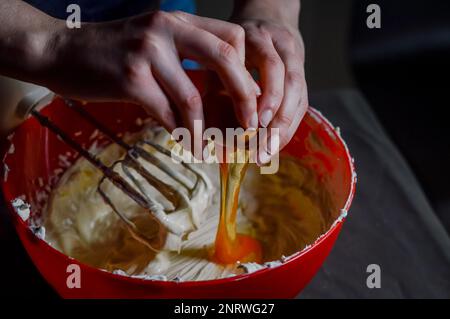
(390, 224)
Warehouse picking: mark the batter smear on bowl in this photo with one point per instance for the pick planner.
(262, 218)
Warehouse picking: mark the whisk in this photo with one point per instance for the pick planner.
(133, 187)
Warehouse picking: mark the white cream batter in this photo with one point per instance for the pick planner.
(286, 211)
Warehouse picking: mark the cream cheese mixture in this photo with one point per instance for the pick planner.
(285, 211)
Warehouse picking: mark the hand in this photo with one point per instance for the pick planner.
(139, 60)
(274, 47)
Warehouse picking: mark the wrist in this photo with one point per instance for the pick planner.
(44, 44)
(28, 53)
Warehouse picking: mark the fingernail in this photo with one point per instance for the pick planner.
(257, 89)
(266, 117)
(254, 121)
(263, 157)
(273, 143)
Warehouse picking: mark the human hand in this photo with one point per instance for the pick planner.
(274, 47)
(139, 60)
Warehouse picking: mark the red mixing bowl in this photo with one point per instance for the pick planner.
(38, 159)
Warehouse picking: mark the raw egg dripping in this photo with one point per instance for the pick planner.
(231, 247)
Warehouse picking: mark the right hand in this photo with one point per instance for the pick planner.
(139, 60)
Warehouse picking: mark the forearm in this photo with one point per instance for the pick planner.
(26, 34)
(279, 11)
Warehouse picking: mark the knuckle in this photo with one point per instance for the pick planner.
(160, 19)
(133, 71)
(273, 60)
(276, 95)
(179, 14)
(286, 35)
(261, 32)
(288, 40)
(284, 120)
(238, 33)
(265, 34)
(294, 78)
(152, 47)
(192, 102)
(225, 51)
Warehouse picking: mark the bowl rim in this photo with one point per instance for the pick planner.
(318, 116)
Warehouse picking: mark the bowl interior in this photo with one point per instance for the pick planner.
(36, 158)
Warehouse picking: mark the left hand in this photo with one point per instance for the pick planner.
(274, 47)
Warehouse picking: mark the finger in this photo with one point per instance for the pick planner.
(291, 111)
(220, 56)
(295, 124)
(268, 146)
(157, 106)
(229, 32)
(143, 89)
(294, 86)
(185, 95)
(286, 135)
(272, 71)
(302, 109)
(277, 140)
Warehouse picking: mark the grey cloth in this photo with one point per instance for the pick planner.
(390, 223)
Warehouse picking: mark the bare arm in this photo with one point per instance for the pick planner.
(24, 33)
(25, 36)
(137, 59)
